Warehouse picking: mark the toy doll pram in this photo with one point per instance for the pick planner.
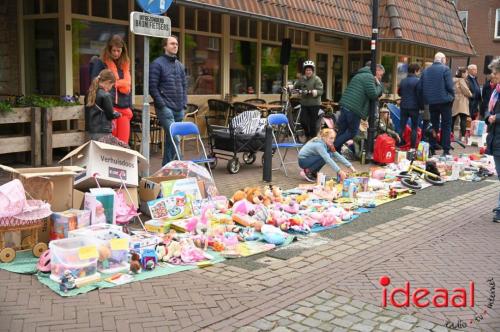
(245, 134)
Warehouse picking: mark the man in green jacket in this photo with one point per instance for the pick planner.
(310, 101)
(355, 102)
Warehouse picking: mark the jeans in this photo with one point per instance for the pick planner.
(441, 118)
(497, 166)
(313, 163)
(414, 116)
(348, 125)
(167, 116)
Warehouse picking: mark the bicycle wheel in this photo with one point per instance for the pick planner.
(409, 183)
(437, 181)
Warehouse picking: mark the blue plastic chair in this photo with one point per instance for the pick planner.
(189, 129)
(280, 121)
(396, 117)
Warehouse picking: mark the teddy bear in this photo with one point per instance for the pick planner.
(237, 196)
(254, 195)
(276, 190)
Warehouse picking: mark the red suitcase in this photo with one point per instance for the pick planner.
(384, 151)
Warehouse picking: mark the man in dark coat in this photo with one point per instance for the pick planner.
(475, 100)
(438, 91)
(488, 87)
(167, 86)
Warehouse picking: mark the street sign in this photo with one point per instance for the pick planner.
(150, 25)
(154, 6)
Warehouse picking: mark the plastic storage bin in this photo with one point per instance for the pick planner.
(112, 246)
(78, 255)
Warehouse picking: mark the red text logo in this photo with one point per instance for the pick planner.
(423, 297)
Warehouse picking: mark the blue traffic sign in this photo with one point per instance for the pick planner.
(156, 7)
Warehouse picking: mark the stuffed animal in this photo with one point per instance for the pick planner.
(254, 195)
(237, 196)
(161, 251)
(277, 197)
(268, 195)
(135, 263)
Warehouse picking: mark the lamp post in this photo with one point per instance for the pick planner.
(373, 103)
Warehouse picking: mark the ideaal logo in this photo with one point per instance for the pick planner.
(440, 298)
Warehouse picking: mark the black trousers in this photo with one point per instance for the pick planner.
(463, 123)
(309, 120)
(414, 115)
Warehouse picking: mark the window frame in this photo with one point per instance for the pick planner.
(466, 18)
(496, 35)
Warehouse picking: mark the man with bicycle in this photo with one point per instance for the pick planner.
(311, 89)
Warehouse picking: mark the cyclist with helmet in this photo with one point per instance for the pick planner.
(311, 89)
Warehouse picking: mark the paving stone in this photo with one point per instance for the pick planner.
(326, 295)
(408, 319)
(280, 329)
(391, 313)
(357, 304)
(305, 304)
(316, 300)
(369, 322)
(323, 316)
(296, 317)
(425, 324)
(263, 324)
(362, 328)
(338, 329)
(325, 307)
(383, 319)
(305, 311)
(350, 309)
(373, 308)
(299, 328)
(284, 313)
(273, 318)
(342, 299)
(439, 328)
(367, 315)
(248, 329)
(285, 322)
(402, 325)
(311, 322)
(339, 313)
(420, 329)
(341, 322)
(353, 319)
(386, 327)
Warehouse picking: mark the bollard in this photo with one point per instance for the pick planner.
(268, 156)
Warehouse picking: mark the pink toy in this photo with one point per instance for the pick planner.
(378, 174)
(243, 207)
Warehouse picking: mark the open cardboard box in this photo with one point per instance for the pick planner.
(109, 164)
(51, 184)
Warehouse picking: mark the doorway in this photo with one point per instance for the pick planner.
(330, 68)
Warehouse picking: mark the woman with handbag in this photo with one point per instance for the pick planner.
(493, 121)
(100, 105)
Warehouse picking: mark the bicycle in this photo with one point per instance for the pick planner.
(410, 177)
(293, 115)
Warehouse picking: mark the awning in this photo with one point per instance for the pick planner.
(433, 23)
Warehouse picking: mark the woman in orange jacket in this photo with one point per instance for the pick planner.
(115, 58)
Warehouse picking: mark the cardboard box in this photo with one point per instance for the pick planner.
(108, 163)
(61, 223)
(157, 226)
(51, 184)
(188, 186)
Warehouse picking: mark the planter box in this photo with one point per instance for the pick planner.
(21, 142)
(60, 139)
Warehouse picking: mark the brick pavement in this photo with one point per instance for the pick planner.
(225, 297)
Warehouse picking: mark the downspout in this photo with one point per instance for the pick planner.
(392, 10)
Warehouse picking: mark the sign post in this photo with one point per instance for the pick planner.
(149, 25)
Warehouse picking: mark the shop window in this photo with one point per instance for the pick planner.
(463, 16)
(322, 72)
(89, 39)
(203, 63)
(215, 22)
(354, 44)
(338, 76)
(190, 18)
(100, 8)
(31, 7)
(273, 32)
(271, 69)
(265, 30)
(497, 24)
(120, 10)
(388, 62)
(50, 6)
(41, 56)
(402, 66)
(173, 14)
(243, 27)
(327, 39)
(203, 17)
(299, 37)
(243, 67)
(297, 58)
(80, 7)
(234, 25)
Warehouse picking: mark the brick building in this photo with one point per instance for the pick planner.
(481, 19)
